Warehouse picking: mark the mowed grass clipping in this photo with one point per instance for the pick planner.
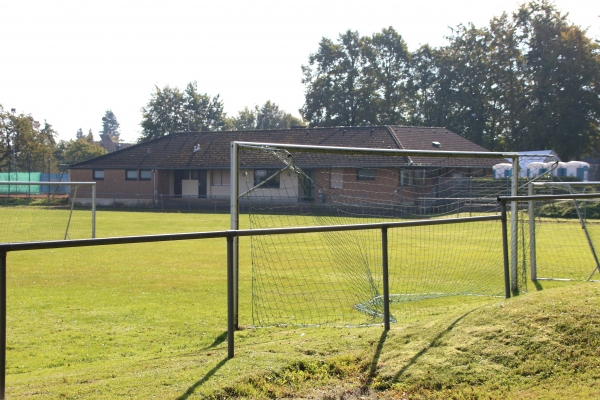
(148, 321)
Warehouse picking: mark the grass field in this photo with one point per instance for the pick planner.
(28, 223)
(148, 321)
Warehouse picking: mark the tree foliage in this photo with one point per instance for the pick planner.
(80, 149)
(110, 126)
(25, 142)
(267, 116)
(171, 110)
(337, 91)
(527, 81)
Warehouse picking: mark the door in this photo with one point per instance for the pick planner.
(177, 185)
(202, 183)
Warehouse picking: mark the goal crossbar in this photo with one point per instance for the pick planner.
(300, 148)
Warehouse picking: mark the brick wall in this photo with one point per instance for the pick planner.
(114, 182)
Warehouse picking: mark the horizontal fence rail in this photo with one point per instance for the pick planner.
(541, 197)
(229, 235)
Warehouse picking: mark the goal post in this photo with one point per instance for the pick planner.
(44, 210)
(569, 229)
(300, 185)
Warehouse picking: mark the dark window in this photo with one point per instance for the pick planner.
(98, 174)
(365, 174)
(261, 175)
(194, 174)
(185, 174)
(145, 174)
(131, 174)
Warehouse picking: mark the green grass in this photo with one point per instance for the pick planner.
(148, 321)
(34, 223)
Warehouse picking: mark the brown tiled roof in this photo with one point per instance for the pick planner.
(423, 138)
(177, 151)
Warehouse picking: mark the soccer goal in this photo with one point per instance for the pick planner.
(41, 211)
(335, 277)
(564, 236)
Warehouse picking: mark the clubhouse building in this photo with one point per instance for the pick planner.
(194, 167)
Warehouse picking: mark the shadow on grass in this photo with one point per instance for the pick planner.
(206, 377)
(375, 361)
(218, 340)
(433, 343)
(538, 285)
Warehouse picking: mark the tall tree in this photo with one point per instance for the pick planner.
(526, 82)
(562, 68)
(110, 126)
(507, 94)
(387, 72)
(203, 112)
(337, 92)
(170, 110)
(429, 88)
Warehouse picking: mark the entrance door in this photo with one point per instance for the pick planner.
(177, 185)
(202, 183)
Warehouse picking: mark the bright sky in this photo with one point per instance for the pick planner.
(69, 61)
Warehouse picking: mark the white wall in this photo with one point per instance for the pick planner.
(288, 185)
(189, 187)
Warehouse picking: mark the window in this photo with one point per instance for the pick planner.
(145, 175)
(98, 174)
(336, 179)
(419, 177)
(194, 174)
(131, 174)
(220, 177)
(185, 174)
(404, 177)
(261, 175)
(365, 174)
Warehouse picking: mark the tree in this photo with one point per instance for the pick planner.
(203, 112)
(429, 89)
(81, 149)
(245, 120)
(526, 82)
(387, 71)
(110, 126)
(24, 144)
(336, 90)
(170, 110)
(267, 116)
(562, 82)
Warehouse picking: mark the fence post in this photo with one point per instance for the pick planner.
(3, 324)
(505, 249)
(514, 232)
(532, 255)
(386, 278)
(230, 298)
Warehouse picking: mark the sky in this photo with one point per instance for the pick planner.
(67, 62)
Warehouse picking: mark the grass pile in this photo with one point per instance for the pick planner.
(543, 345)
